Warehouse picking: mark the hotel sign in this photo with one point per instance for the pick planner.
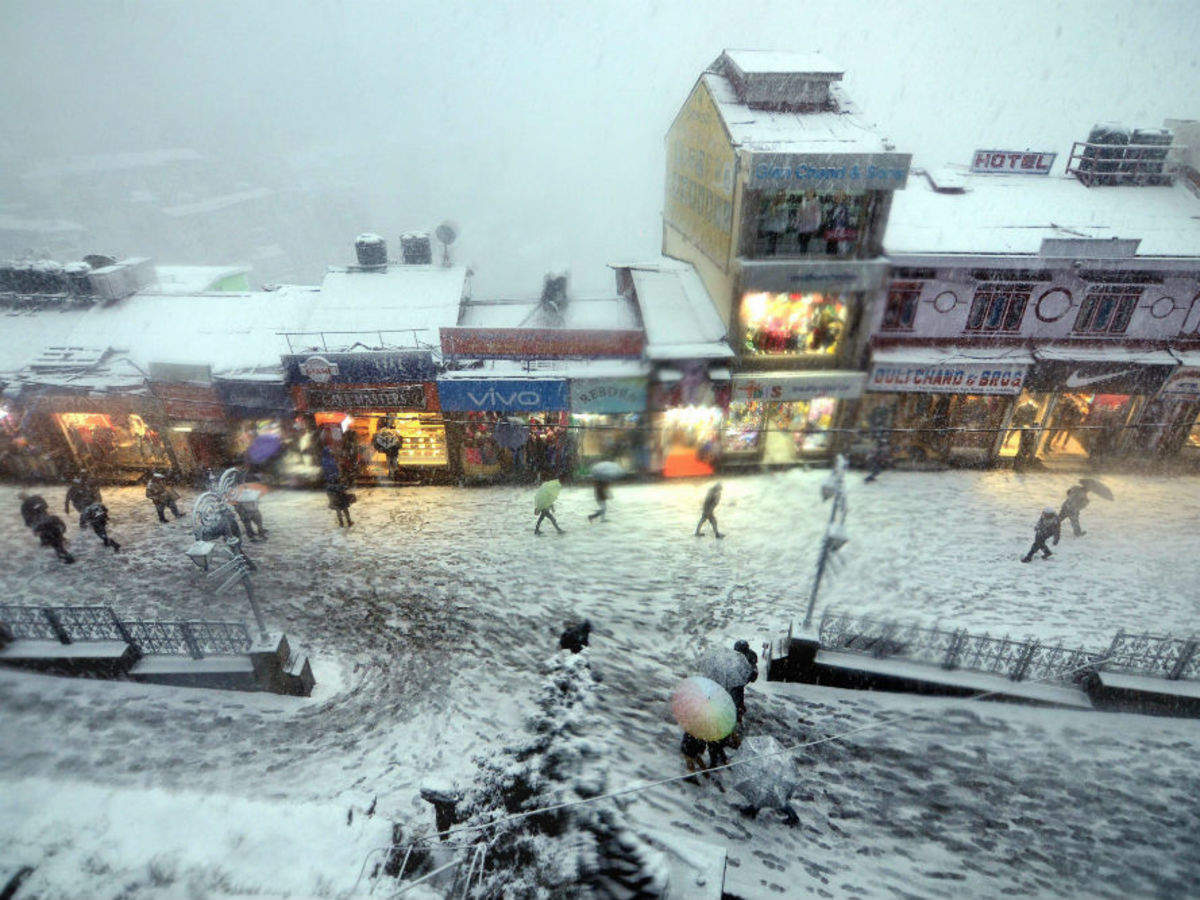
(1012, 162)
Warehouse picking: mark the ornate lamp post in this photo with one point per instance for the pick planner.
(215, 529)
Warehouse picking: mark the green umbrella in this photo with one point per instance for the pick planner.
(546, 495)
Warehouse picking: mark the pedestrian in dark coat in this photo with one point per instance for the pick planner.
(707, 514)
(1047, 527)
(575, 637)
(340, 499)
(1077, 499)
(33, 507)
(96, 516)
(602, 494)
(51, 531)
(738, 693)
(252, 520)
(162, 495)
(81, 494)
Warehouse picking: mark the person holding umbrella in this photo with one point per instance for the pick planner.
(543, 505)
(1077, 499)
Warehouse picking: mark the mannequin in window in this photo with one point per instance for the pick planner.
(806, 219)
(773, 224)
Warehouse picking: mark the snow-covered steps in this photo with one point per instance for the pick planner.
(93, 659)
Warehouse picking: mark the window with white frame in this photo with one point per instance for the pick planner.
(998, 306)
(901, 310)
(1107, 309)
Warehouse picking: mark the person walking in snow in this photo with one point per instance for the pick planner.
(602, 494)
(1047, 526)
(707, 514)
(340, 499)
(738, 693)
(575, 637)
(51, 531)
(162, 495)
(81, 494)
(33, 507)
(95, 516)
(1077, 499)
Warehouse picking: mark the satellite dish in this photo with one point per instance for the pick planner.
(447, 232)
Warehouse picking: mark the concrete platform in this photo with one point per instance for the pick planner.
(1139, 693)
(97, 659)
(222, 672)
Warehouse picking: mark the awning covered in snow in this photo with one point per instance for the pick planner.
(1104, 354)
(680, 319)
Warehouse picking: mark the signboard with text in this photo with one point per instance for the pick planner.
(829, 171)
(189, 402)
(503, 395)
(948, 378)
(1183, 383)
(375, 367)
(1012, 162)
(608, 395)
(541, 343)
(365, 397)
(797, 386)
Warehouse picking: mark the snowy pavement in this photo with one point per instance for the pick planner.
(426, 623)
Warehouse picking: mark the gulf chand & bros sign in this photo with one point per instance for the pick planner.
(541, 343)
(943, 378)
(1012, 162)
(830, 171)
(502, 395)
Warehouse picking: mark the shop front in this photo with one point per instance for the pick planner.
(264, 431)
(780, 418)
(1085, 403)
(115, 438)
(196, 426)
(377, 412)
(1177, 413)
(687, 405)
(512, 429)
(782, 324)
(607, 423)
(947, 405)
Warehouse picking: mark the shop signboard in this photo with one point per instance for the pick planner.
(1115, 377)
(189, 402)
(608, 395)
(541, 343)
(838, 276)
(1012, 162)
(700, 177)
(374, 367)
(365, 397)
(503, 395)
(948, 378)
(254, 399)
(829, 171)
(785, 387)
(1184, 383)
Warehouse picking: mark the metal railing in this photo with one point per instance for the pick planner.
(1161, 656)
(1096, 163)
(73, 624)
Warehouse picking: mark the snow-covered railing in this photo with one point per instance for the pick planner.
(1160, 655)
(73, 624)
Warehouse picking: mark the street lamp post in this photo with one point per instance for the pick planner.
(834, 487)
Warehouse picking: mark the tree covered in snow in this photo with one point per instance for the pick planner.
(581, 850)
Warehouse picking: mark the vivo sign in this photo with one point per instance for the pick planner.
(1012, 162)
(508, 395)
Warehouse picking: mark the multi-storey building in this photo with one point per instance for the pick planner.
(778, 192)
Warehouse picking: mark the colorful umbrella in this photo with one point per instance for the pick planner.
(546, 495)
(607, 471)
(263, 447)
(703, 708)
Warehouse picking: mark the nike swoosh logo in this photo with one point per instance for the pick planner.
(1073, 380)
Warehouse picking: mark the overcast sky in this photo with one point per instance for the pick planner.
(539, 126)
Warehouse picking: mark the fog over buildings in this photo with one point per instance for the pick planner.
(270, 134)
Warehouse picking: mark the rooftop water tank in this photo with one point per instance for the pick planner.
(416, 249)
(371, 250)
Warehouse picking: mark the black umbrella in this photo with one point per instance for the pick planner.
(1096, 487)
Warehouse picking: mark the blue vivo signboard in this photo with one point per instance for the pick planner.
(502, 395)
(387, 367)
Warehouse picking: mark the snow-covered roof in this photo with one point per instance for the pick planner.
(416, 299)
(783, 62)
(615, 313)
(680, 319)
(214, 204)
(766, 131)
(951, 355)
(1012, 214)
(192, 279)
(553, 368)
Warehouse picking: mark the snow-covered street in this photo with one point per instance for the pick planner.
(426, 623)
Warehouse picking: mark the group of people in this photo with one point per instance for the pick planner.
(603, 493)
(51, 530)
(1049, 525)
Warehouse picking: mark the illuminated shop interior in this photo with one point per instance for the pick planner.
(688, 440)
(810, 324)
(782, 431)
(103, 440)
(422, 437)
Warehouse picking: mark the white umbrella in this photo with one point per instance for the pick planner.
(607, 470)
(767, 776)
(728, 668)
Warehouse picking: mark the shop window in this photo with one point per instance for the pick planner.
(793, 324)
(901, 310)
(998, 307)
(1107, 309)
(810, 224)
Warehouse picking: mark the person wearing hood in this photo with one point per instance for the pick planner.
(1077, 499)
(575, 637)
(33, 507)
(81, 494)
(1047, 526)
(162, 495)
(739, 693)
(708, 513)
(340, 499)
(96, 516)
(51, 531)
